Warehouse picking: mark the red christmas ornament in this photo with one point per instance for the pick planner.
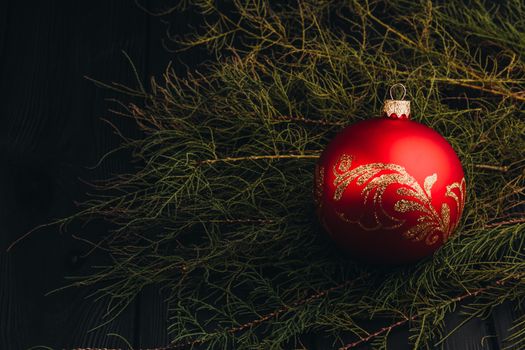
(389, 190)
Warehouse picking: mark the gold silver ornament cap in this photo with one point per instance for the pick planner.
(397, 109)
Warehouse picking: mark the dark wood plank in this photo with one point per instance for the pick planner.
(474, 334)
(4, 25)
(152, 323)
(504, 317)
(51, 132)
(10, 315)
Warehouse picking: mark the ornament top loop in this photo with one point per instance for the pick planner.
(397, 109)
(404, 90)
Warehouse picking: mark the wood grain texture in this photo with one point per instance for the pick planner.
(152, 319)
(4, 25)
(504, 317)
(473, 334)
(51, 132)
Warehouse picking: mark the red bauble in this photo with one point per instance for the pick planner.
(389, 190)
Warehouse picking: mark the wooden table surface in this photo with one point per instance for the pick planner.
(51, 131)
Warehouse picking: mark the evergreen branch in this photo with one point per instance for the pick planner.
(364, 340)
(457, 65)
(269, 316)
(455, 300)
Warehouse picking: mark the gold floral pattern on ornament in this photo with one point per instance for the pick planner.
(375, 178)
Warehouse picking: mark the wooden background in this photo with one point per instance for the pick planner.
(51, 131)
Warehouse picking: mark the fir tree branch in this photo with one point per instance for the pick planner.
(455, 300)
(270, 315)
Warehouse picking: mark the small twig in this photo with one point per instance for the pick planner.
(102, 349)
(506, 222)
(242, 221)
(377, 333)
(28, 233)
(308, 121)
(269, 157)
(502, 168)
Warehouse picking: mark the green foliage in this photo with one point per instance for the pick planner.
(219, 211)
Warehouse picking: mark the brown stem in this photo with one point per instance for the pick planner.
(308, 121)
(503, 93)
(270, 157)
(266, 317)
(502, 168)
(377, 333)
(457, 299)
(242, 221)
(506, 222)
